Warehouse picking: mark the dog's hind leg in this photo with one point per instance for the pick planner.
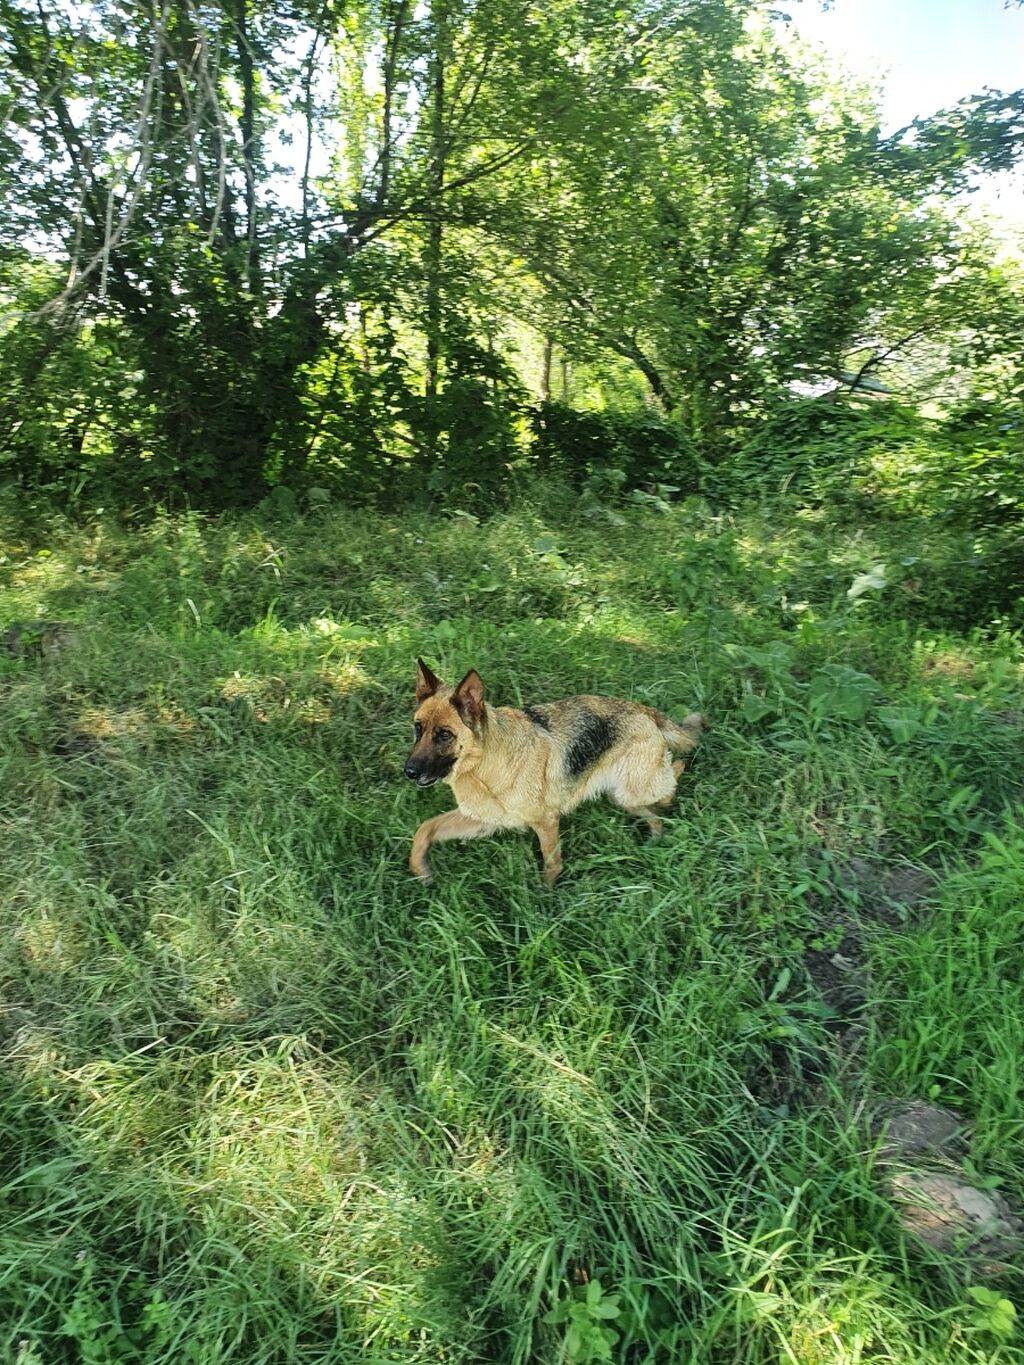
(645, 783)
(452, 825)
(665, 802)
(645, 813)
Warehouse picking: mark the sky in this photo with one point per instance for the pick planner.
(929, 53)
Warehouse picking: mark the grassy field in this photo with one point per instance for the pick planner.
(267, 1099)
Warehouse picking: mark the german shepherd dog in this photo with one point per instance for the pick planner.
(512, 769)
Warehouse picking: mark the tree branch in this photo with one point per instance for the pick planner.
(873, 361)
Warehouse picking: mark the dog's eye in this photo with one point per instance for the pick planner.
(417, 730)
(443, 736)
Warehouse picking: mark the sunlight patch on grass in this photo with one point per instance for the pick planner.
(296, 1160)
(34, 1051)
(172, 717)
(943, 663)
(113, 722)
(50, 942)
(304, 696)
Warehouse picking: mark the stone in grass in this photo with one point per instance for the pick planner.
(883, 886)
(949, 1215)
(939, 1206)
(27, 639)
(912, 1128)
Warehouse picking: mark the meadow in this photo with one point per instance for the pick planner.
(266, 1098)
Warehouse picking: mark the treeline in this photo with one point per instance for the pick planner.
(386, 248)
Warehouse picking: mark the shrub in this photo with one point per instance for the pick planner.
(644, 447)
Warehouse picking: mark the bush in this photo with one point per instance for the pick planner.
(812, 448)
(642, 448)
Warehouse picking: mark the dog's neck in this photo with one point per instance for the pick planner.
(491, 760)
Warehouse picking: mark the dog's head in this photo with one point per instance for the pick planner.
(448, 721)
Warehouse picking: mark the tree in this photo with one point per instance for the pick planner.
(756, 226)
(168, 208)
(294, 228)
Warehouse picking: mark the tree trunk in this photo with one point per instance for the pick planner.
(435, 241)
(632, 352)
(545, 369)
(250, 147)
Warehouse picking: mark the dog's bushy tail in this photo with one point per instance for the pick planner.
(683, 736)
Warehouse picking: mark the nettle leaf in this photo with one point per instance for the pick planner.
(775, 659)
(980, 1294)
(783, 980)
(837, 690)
(544, 545)
(902, 722)
(760, 1304)
(488, 582)
(793, 746)
(754, 708)
(997, 1314)
(607, 1308)
(872, 581)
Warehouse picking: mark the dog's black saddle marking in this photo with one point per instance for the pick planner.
(594, 736)
(538, 715)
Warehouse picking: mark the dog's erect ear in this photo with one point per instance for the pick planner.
(468, 699)
(427, 682)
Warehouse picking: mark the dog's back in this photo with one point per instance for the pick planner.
(610, 745)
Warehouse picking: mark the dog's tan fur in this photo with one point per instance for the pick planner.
(512, 769)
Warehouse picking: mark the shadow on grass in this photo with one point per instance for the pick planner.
(259, 1202)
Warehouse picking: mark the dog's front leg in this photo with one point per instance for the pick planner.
(550, 848)
(452, 825)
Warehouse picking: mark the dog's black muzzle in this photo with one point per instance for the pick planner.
(426, 774)
(419, 775)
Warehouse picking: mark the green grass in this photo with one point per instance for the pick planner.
(265, 1098)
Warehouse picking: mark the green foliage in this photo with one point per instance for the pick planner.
(304, 247)
(885, 463)
(471, 426)
(834, 691)
(969, 473)
(979, 475)
(622, 450)
(974, 979)
(817, 450)
(588, 1314)
(840, 691)
(132, 1326)
(992, 1312)
(59, 378)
